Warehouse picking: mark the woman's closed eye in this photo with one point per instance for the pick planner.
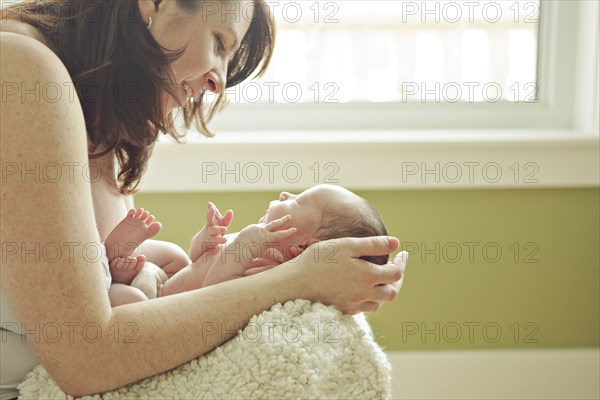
(220, 43)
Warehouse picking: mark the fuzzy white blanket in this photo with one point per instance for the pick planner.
(298, 350)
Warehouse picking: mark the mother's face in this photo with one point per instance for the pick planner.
(212, 33)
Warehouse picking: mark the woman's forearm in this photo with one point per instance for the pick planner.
(151, 337)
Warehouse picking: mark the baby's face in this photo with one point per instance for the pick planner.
(307, 207)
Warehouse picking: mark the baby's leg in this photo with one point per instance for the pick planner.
(120, 294)
(134, 229)
(168, 256)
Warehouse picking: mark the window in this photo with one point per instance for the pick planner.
(399, 51)
(372, 139)
(503, 65)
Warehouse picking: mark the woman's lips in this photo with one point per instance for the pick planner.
(189, 91)
(183, 95)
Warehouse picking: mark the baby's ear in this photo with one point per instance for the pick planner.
(297, 249)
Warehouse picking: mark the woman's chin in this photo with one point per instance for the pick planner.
(172, 104)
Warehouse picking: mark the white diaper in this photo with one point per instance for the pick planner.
(104, 261)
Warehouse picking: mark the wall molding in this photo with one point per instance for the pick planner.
(565, 373)
(375, 160)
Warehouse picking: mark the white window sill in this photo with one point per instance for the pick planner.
(375, 160)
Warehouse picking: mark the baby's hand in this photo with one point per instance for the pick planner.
(252, 251)
(259, 242)
(214, 218)
(212, 234)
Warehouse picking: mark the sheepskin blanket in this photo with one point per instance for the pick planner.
(298, 350)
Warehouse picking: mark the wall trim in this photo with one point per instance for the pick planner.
(565, 373)
(375, 160)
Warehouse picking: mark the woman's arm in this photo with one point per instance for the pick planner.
(99, 348)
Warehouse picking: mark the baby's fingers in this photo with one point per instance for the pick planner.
(273, 255)
(217, 213)
(226, 220)
(280, 235)
(269, 256)
(278, 223)
(210, 215)
(217, 230)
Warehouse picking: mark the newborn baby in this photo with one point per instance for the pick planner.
(292, 223)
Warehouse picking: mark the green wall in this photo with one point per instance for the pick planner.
(459, 292)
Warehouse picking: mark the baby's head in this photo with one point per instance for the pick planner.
(325, 212)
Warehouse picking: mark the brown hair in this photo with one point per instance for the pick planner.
(363, 222)
(120, 72)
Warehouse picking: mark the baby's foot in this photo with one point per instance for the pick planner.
(132, 231)
(124, 269)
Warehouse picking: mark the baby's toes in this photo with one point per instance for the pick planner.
(144, 215)
(118, 263)
(139, 263)
(154, 229)
(130, 263)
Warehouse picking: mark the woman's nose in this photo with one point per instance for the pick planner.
(213, 82)
(215, 79)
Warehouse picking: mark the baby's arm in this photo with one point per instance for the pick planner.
(208, 239)
(204, 246)
(252, 248)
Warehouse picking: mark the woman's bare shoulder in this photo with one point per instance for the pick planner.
(25, 57)
(37, 90)
(20, 27)
(42, 120)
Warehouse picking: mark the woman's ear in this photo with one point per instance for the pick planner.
(145, 8)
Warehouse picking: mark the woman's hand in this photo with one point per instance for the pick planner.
(332, 273)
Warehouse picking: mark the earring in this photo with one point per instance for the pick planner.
(149, 23)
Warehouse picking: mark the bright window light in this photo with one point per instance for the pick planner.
(400, 51)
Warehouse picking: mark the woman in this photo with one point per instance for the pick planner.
(129, 63)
